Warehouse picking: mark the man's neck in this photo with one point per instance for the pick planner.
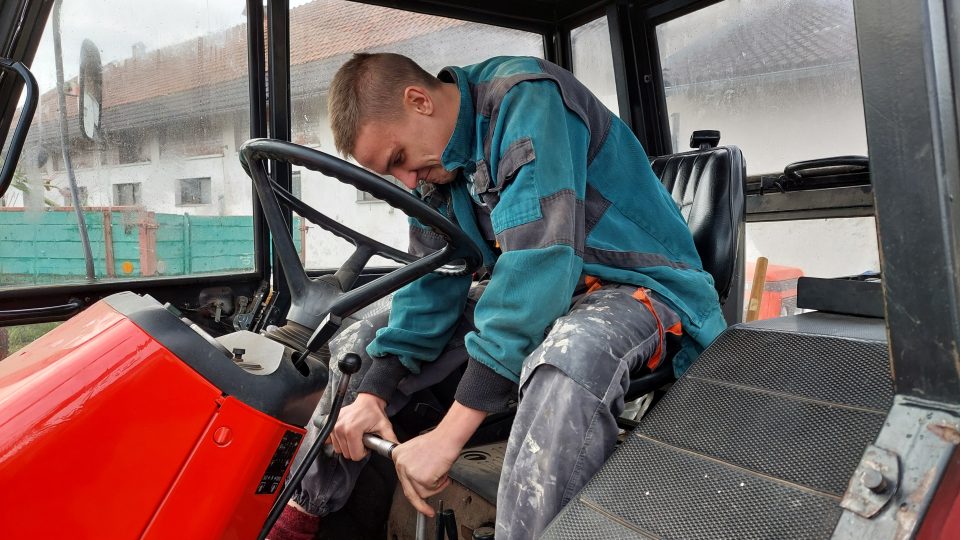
(450, 104)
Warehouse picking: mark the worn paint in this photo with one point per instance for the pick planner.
(948, 432)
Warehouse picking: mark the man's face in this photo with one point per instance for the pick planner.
(408, 148)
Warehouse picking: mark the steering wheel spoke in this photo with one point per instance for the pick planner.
(348, 273)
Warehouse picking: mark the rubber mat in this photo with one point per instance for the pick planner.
(757, 440)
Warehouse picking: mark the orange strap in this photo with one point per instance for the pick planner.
(592, 283)
(641, 295)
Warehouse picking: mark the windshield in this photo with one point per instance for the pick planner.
(158, 180)
(159, 183)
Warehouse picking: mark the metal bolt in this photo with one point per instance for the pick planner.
(874, 481)
(483, 532)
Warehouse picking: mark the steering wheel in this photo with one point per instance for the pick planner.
(323, 303)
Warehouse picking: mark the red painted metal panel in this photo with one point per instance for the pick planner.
(96, 421)
(216, 497)
(942, 520)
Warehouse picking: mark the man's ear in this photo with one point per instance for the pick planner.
(418, 100)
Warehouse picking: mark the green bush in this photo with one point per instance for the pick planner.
(19, 337)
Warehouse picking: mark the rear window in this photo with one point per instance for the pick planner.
(778, 78)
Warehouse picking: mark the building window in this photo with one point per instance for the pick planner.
(364, 197)
(130, 149)
(193, 191)
(82, 194)
(83, 154)
(126, 194)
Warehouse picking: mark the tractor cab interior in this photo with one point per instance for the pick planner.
(178, 244)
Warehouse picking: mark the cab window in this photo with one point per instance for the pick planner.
(593, 61)
(14, 338)
(780, 79)
(160, 188)
(318, 47)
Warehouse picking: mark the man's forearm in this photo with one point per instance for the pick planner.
(459, 424)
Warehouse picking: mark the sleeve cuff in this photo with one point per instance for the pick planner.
(383, 377)
(483, 389)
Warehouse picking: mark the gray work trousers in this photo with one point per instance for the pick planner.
(570, 394)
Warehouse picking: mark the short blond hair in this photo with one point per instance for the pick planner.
(370, 86)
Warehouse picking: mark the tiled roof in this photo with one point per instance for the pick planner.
(209, 74)
(320, 29)
(773, 37)
(327, 28)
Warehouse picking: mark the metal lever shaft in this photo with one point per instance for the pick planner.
(349, 365)
(379, 446)
(385, 448)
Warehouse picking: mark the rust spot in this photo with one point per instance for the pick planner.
(907, 514)
(946, 432)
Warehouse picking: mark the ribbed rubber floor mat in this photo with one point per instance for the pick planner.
(757, 440)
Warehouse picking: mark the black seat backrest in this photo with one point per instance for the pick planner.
(708, 186)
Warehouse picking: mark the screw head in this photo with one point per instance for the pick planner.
(222, 436)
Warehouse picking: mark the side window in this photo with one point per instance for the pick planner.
(318, 49)
(593, 61)
(780, 79)
(163, 166)
(297, 189)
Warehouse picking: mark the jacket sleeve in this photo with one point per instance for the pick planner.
(540, 148)
(423, 317)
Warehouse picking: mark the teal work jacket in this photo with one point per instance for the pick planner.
(553, 187)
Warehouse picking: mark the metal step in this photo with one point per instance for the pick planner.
(757, 440)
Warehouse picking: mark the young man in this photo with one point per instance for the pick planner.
(559, 194)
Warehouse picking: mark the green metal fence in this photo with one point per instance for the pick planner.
(199, 244)
(42, 247)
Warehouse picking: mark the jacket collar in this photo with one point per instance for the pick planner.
(459, 149)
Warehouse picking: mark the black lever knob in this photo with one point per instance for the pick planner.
(349, 364)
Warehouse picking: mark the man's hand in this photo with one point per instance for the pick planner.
(423, 462)
(422, 465)
(364, 415)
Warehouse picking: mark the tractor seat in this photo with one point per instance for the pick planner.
(707, 184)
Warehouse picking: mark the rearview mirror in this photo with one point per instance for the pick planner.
(91, 90)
